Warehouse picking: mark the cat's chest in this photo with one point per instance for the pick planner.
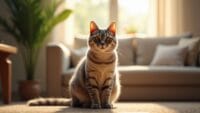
(101, 72)
(101, 68)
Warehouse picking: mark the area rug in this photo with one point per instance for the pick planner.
(130, 107)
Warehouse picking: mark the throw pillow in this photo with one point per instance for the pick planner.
(193, 48)
(80, 41)
(77, 55)
(169, 55)
(125, 51)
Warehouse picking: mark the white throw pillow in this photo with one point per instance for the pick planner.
(170, 55)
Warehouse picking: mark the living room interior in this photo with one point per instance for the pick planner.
(158, 52)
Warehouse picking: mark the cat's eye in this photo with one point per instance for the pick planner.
(109, 40)
(97, 39)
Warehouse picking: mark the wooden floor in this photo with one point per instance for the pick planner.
(122, 107)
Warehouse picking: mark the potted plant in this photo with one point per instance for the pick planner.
(29, 23)
(131, 29)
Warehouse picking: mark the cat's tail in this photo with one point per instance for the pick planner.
(49, 102)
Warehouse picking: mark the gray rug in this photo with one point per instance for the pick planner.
(135, 107)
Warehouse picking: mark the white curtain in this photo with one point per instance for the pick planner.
(165, 17)
(191, 19)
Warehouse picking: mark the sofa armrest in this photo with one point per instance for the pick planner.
(58, 60)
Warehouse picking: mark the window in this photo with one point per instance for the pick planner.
(88, 10)
(133, 16)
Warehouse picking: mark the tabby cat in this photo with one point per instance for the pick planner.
(95, 83)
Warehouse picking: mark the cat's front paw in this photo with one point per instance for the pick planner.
(96, 106)
(107, 106)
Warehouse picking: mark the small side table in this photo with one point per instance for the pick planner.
(5, 71)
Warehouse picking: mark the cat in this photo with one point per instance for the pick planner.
(95, 83)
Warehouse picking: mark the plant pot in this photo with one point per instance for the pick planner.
(29, 89)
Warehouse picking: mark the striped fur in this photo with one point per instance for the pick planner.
(95, 83)
(49, 102)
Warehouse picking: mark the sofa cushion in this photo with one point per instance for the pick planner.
(67, 76)
(193, 49)
(80, 41)
(152, 75)
(159, 75)
(77, 55)
(170, 55)
(125, 51)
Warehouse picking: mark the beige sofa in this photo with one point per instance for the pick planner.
(140, 79)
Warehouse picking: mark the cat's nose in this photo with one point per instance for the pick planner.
(102, 42)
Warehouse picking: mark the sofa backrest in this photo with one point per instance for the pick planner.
(131, 50)
(146, 47)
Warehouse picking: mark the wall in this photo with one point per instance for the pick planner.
(177, 17)
(191, 18)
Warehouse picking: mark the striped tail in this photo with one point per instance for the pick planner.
(49, 102)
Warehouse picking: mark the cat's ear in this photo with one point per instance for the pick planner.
(93, 27)
(112, 28)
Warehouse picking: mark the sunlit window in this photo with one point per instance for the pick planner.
(133, 16)
(88, 10)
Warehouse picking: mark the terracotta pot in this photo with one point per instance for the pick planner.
(29, 89)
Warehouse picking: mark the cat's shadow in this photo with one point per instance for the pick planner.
(85, 110)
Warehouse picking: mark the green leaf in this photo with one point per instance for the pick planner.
(49, 25)
(60, 17)
(30, 23)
